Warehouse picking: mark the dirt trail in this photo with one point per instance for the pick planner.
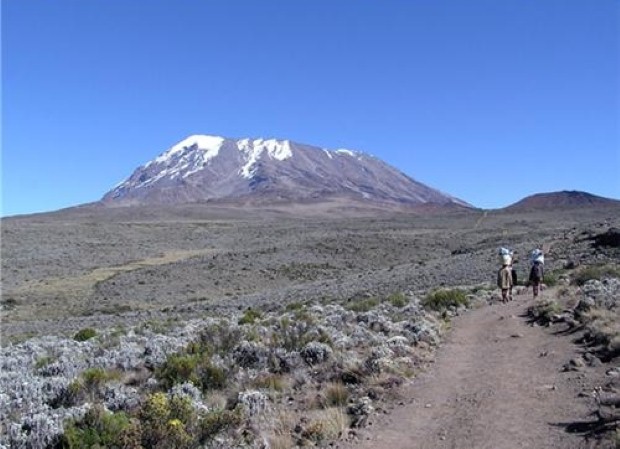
(496, 384)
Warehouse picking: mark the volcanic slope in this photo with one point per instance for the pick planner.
(208, 168)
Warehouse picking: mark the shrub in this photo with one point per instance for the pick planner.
(362, 305)
(212, 377)
(292, 306)
(220, 338)
(440, 300)
(219, 420)
(272, 382)
(294, 336)
(100, 428)
(195, 367)
(169, 423)
(85, 334)
(397, 300)
(335, 422)
(550, 279)
(179, 368)
(597, 272)
(314, 431)
(542, 312)
(94, 378)
(336, 394)
(250, 316)
(86, 387)
(43, 361)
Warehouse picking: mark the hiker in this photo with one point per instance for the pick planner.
(536, 277)
(506, 259)
(504, 281)
(537, 272)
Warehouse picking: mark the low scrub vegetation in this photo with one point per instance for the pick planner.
(295, 378)
(85, 334)
(363, 305)
(543, 311)
(596, 272)
(441, 300)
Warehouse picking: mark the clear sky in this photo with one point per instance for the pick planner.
(487, 100)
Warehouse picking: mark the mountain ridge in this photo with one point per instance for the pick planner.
(209, 168)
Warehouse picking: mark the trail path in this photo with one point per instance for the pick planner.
(496, 384)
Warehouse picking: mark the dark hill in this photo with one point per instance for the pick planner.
(564, 199)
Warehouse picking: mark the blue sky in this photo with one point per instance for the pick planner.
(489, 100)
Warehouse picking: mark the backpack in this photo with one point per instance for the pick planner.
(537, 272)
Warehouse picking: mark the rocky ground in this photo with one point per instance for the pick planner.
(206, 331)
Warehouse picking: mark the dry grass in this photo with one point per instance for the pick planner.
(328, 424)
(336, 395)
(604, 327)
(73, 289)
(271, 382)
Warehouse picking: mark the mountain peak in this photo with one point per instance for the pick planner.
(205, 167)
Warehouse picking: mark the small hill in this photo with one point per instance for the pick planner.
(565, 199)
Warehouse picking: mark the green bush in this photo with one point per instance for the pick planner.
(179, 368)
(168, 423)
(212, 377)
(440, 300)
(43, 361)
(95, 378)
(219, 420)
(397, 300)
(544, 310)
(550, 279)
(250, 316)
(596, 272)
(99, 429)
(294, 306)
(362, 305)
(85, 334)
(195, 368)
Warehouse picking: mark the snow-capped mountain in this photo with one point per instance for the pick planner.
(202, 168)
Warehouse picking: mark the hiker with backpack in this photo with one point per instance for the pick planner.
(506, 276)
(537, 272)
(504, 282)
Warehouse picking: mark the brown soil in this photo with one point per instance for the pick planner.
(497, 383)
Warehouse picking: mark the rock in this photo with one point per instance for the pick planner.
(575, 364)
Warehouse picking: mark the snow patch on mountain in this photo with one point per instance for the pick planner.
(276, 149)
(345, 152)
(208, 145)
